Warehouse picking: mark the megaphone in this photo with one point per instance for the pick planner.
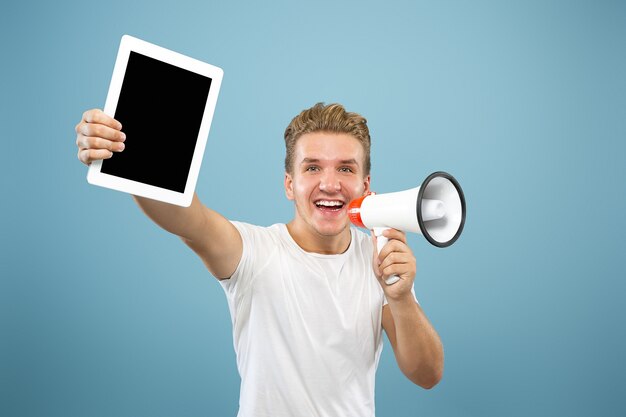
(435, 209)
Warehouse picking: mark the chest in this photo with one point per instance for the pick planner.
(328, 298)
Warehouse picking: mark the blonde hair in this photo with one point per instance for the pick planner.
(331, 118)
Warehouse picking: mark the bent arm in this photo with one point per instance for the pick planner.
(210, 235)
(416, 344)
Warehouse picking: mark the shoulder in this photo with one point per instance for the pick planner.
(362, 244)
(361, 238)
(251, 232)
(260, 244)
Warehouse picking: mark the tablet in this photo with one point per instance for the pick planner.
(165, 102)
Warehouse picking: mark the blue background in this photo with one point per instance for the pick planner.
(104, 314)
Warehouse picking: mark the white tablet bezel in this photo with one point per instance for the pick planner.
(130, 44)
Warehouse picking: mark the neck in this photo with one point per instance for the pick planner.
(311, 241)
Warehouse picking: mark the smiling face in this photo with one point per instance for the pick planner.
(327, 174)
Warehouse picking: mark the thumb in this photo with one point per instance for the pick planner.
(375, 260)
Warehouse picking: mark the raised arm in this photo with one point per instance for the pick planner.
(216, 241)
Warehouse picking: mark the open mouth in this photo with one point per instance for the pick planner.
(329, 205)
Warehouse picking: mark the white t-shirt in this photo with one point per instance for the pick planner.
(306, 327)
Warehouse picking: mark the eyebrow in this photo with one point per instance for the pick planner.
(351, 161)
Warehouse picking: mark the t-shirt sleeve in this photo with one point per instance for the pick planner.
(257, 247)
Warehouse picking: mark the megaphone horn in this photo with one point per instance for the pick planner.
(435, 209)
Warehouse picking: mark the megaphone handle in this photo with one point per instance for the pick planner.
(380, 242)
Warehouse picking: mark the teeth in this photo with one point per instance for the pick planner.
(329, 203)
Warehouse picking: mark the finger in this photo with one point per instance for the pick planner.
(92, 142)
(400, 269)
(87, 156)
(375, 245)
(390, 271)
(395, 235)
(393, 246)
(99, 117)
(101, 131)
(397, 257)
(376, 267)
(373, 235)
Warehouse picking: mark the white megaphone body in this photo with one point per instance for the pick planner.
(435, 209)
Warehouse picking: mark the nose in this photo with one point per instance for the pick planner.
(330, 182)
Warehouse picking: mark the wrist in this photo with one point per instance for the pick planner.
(405, 298)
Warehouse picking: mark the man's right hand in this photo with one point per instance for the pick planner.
(98, 136)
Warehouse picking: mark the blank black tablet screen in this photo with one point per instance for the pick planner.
(160, 107)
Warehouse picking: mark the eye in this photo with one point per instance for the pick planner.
(346, 169)
(312, 168)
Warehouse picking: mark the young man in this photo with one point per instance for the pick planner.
(307, 299)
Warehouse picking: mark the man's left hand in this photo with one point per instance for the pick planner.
(395, 258)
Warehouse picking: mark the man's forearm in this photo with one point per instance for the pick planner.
(419, 351)
(181, 221)
(210, 235)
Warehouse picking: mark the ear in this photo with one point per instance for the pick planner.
(288, 186)
(366, 184)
